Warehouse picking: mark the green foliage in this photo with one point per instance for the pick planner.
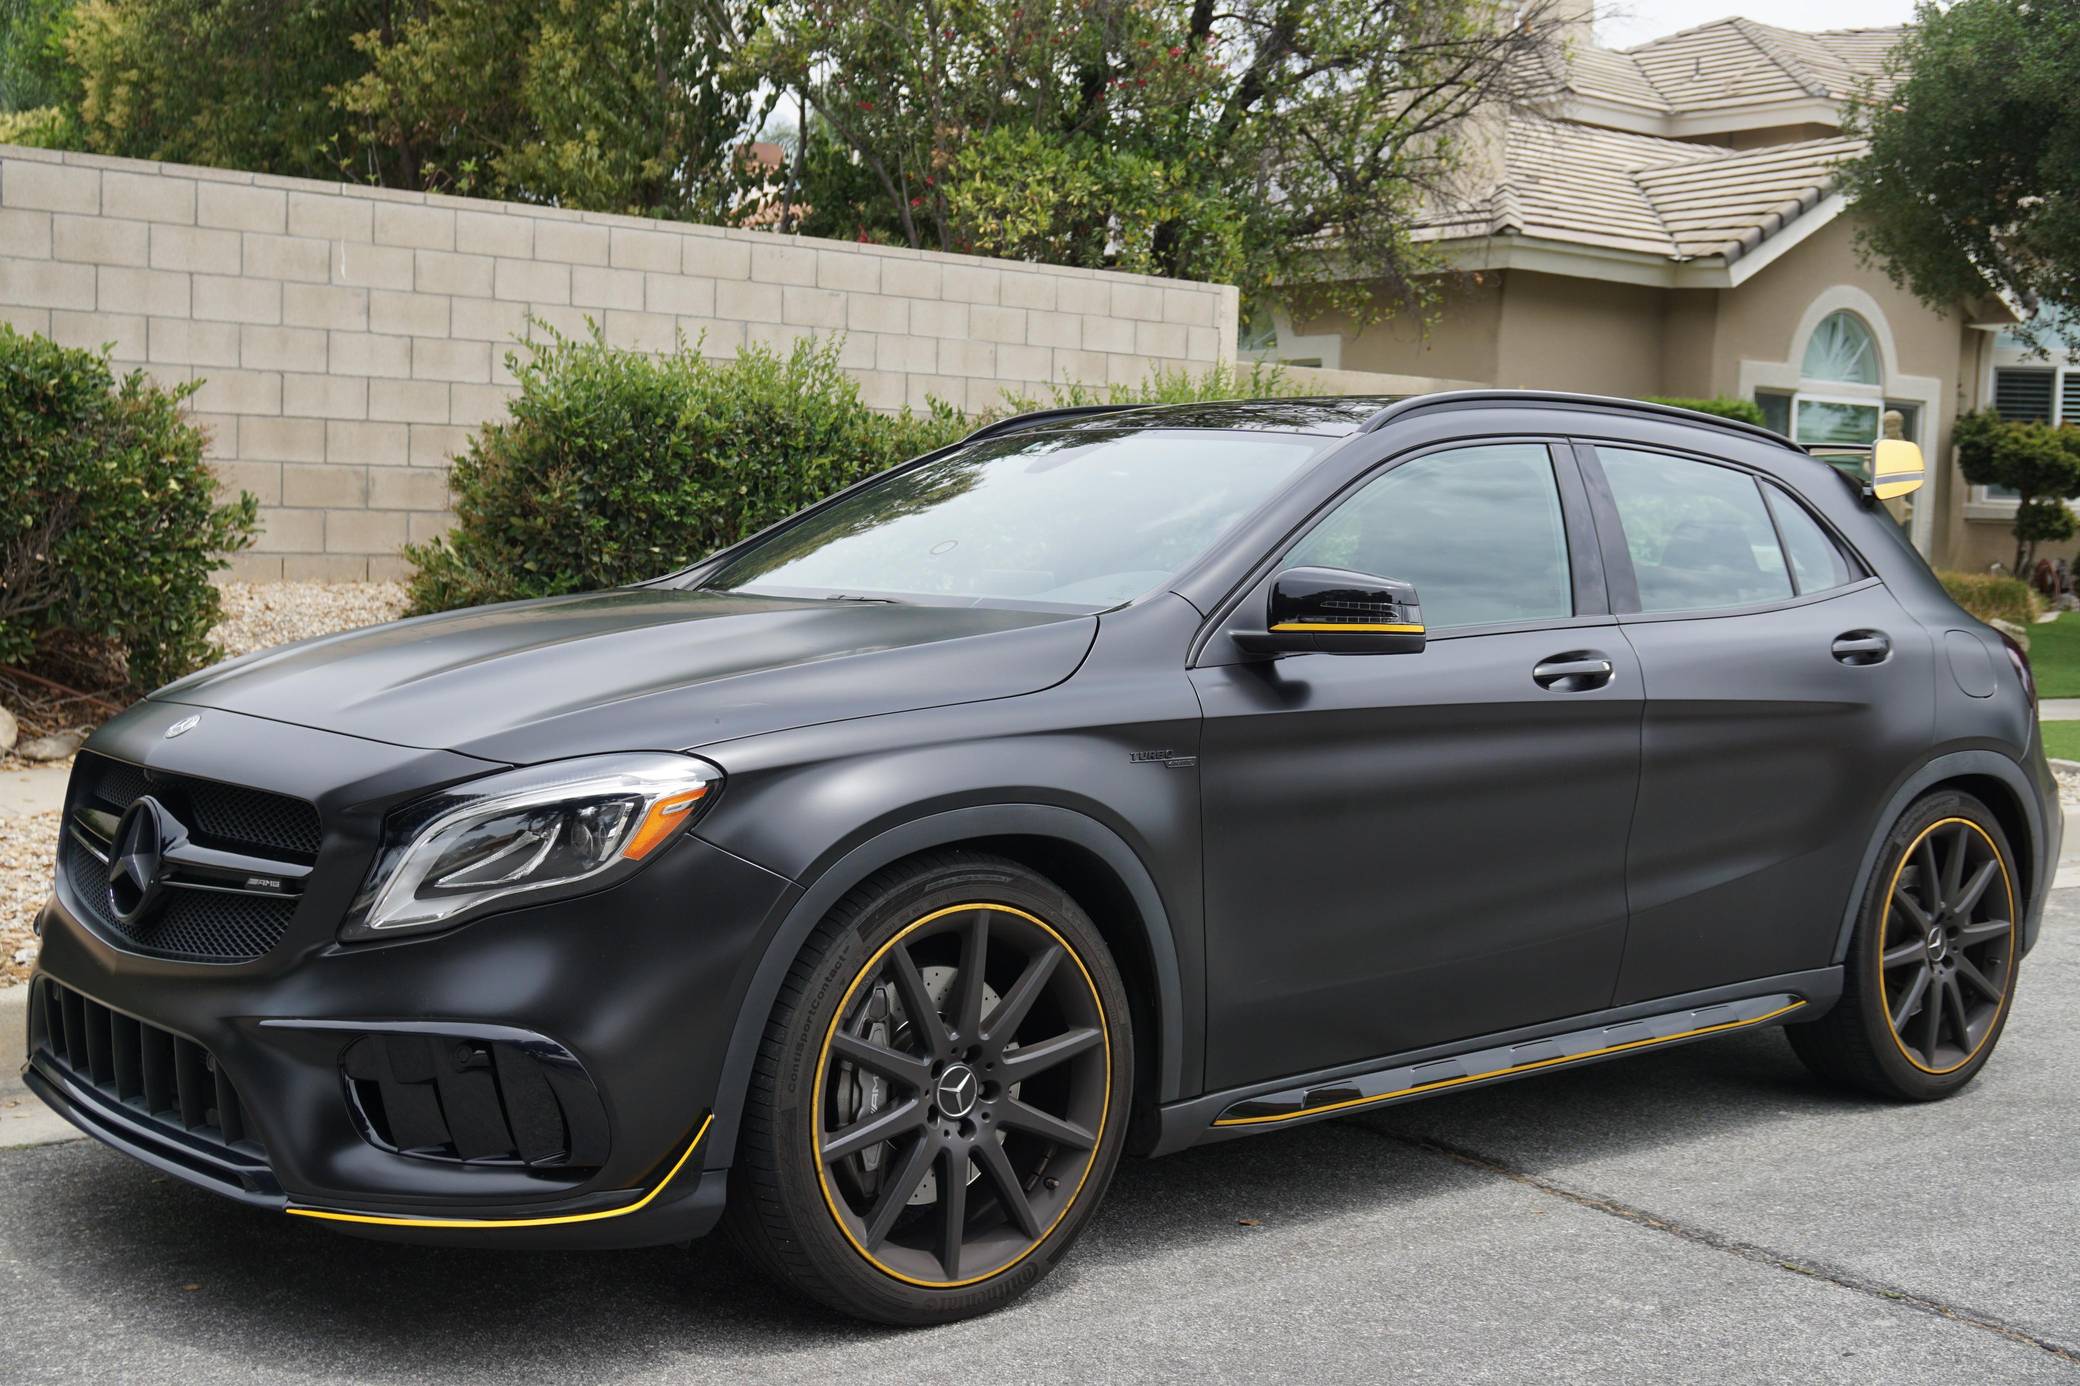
(597, 104)
(1224, 380)
(111, 527)
(1187, 139)
(2037, 461)
(1723, 406)
(2054, 657)
(2061, 739)
(1992, 597)
(1969, 178)
(229, 83)
(618, 466)
(602, 105)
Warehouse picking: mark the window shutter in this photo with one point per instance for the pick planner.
(2069, 398)
(2023, 396)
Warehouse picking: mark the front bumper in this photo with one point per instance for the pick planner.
(636, 987)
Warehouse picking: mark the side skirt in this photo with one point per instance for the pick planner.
(1498, 1058)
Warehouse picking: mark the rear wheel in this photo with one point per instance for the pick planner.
(941, 1097)
(1932, 960)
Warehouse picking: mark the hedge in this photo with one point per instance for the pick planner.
(615, 466)
(110, 525)
(1723, 406)
(1990, 597)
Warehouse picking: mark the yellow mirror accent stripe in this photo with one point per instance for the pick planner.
(1503, 1072)
(1348, 628)
(621, 1212)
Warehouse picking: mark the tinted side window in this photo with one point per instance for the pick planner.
(1698, 534)
(1815, 560)
(1477, 530)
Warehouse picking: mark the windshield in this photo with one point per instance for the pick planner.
(1075, 520)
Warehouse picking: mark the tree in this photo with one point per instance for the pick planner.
(602, 105)
(2040, 463)
(1969, 179)
(1243, 143)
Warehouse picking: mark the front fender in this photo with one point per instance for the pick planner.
(830, 884)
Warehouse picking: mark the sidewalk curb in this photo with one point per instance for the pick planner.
(24, 1120)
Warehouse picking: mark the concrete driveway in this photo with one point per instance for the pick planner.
(1703, 1214)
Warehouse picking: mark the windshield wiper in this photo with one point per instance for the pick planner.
(848, 597)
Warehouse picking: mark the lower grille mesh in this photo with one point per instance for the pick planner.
(172, 1080)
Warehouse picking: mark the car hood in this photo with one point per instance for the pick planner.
(641, 669)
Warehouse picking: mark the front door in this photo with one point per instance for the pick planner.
(1785, 688)
(1408, 849)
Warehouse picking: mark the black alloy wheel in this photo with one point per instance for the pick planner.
(960, 1095)
(1932, 958)
(942, 1095)
(1948, 939)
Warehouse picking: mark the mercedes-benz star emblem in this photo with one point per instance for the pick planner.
(186, 724)
(137, 863)
(956, 1090)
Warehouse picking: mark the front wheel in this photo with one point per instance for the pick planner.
(941, 1096)
(1932, 960)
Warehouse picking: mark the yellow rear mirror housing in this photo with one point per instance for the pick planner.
(1896, 468)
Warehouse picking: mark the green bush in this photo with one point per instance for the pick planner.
(109, 523)
(1990, 597)
(616, 466)
(1725, 407)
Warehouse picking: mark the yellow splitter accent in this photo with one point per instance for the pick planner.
(596, 1216)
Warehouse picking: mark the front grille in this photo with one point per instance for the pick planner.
(197, 925)
(160, 1078)
(222, 815)
(191, 925)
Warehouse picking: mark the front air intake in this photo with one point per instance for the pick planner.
(479, 1097)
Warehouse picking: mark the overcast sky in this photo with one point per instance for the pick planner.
(1622, 23)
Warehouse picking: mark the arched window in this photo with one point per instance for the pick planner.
(1842, 349)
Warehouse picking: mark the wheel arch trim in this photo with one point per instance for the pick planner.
(1957, 765)
(946, 829)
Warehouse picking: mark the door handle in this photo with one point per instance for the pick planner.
(1577, 671)
(1861, 647)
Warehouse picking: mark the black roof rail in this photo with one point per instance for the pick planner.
(1567, 397)
(1035, 418)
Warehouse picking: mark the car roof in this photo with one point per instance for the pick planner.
(1344, 415)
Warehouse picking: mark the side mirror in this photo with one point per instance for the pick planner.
(1330, 611)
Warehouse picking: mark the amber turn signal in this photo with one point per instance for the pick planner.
(664, 817)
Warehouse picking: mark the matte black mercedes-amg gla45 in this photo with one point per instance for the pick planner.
(1116, 779)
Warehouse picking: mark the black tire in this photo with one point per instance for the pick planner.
(1939, 926)
(844, 1048)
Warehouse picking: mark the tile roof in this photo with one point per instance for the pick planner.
(1605, 189)
(1733, 63)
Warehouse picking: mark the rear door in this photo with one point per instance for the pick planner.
(1784, 689)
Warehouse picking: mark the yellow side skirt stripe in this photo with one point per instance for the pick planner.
(1348, 628)
(622, 1212)
(1442, 1084)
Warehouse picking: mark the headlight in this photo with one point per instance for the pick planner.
(560, 828)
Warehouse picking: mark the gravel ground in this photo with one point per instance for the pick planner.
(256, 616)
(261, 614)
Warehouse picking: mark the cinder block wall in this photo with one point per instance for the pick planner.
(349, 338)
